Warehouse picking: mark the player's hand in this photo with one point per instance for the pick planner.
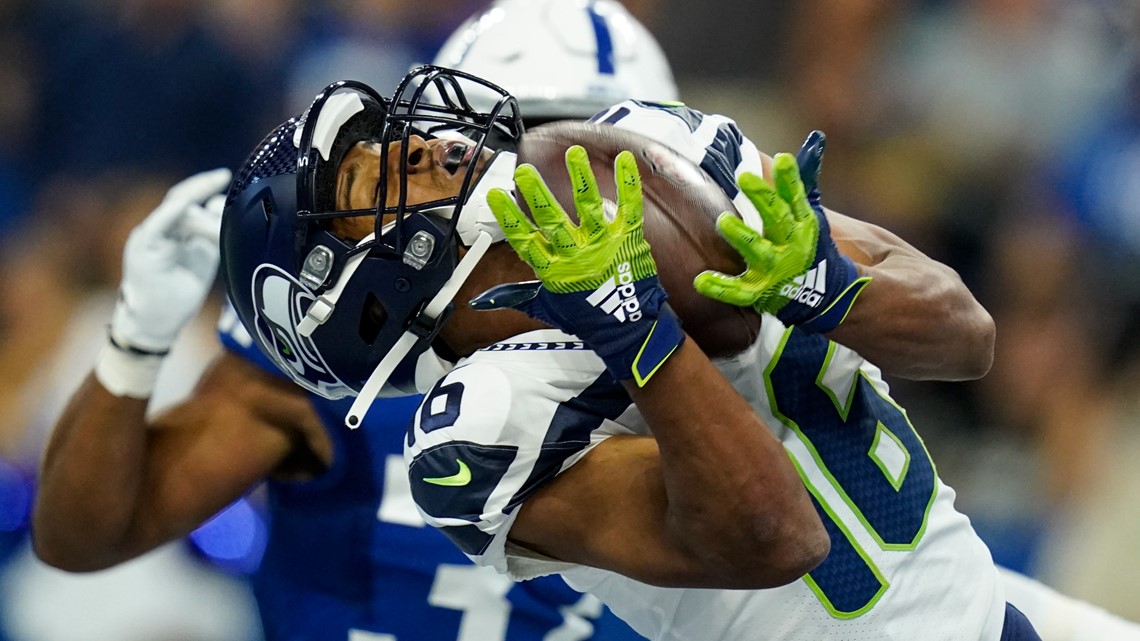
(598, 279)
(809, 160)
(794, 270)
(169, 264)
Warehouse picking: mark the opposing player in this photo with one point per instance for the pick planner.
(602, 55)
(531, 456)
(349, 555)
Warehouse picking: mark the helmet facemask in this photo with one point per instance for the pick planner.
(430, 102)
(409, 266)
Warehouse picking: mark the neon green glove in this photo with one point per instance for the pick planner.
(794, 271)
(569, 258)
(597, 280)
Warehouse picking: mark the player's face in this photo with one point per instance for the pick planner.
(435, 170)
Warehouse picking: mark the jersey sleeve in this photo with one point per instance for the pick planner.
(485, 439)
(711, 141)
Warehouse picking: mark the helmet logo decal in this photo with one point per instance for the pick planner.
(280, 302)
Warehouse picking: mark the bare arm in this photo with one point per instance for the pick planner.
(712, 501)
(916, 319)
(113, 487)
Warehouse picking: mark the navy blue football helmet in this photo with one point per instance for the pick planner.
(328, 310)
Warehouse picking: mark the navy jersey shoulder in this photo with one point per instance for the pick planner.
(349, 556)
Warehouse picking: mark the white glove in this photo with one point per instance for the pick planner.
(169, 264)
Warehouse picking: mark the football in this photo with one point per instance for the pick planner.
(681, 207)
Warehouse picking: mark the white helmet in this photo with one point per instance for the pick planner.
(561, 58)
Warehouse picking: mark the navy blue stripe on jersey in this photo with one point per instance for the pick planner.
(722, 157)
(468, 538)
(846, 582)
(691, 117)
(570, 429)
(617, 115)
(604, 40)
(460, 476)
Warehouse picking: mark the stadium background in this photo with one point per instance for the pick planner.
(999, 136)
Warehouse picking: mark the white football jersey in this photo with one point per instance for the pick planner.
(904, 564)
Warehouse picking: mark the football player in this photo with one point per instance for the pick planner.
(603, 445)
(349, 556)
(501, 44)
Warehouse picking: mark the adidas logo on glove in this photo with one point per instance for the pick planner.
(809, 288)
(617, 296)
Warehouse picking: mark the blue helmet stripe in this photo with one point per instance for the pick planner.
(605, 41)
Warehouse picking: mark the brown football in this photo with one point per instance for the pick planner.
(681, 206)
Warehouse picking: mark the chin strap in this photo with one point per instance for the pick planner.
(375, 383)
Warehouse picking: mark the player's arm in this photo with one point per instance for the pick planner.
(712, 501)
(916, 319)
(113, 485)
(857, 283)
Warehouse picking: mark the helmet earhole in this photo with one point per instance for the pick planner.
(372, 319)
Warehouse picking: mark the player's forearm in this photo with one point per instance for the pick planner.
(917, 320)
(734, 499)
(90, 480)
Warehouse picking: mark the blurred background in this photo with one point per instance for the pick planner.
(999, 136)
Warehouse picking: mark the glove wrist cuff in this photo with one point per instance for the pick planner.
(642, 360)
(836, 311)
(123, 345)
(127, 372)
(129, 333)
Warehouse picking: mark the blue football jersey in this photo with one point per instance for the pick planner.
(350, 558)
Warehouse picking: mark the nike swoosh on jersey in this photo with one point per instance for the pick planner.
(459, 479)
